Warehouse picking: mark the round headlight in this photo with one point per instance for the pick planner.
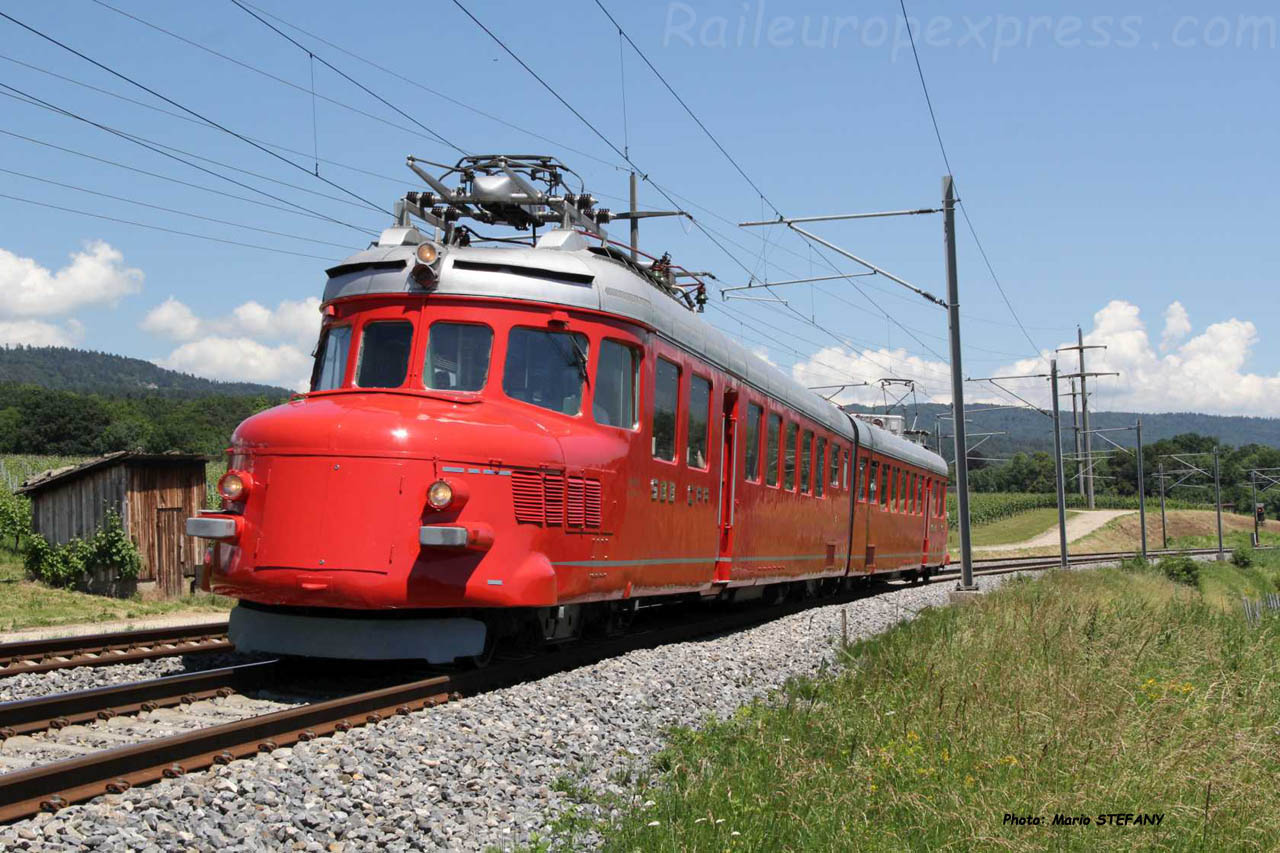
(234, 486)
(440, 495)
(427, 253)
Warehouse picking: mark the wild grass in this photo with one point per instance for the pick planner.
(1080, 693)
(1017, 528)
(27, 604)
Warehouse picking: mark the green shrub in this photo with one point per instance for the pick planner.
(66, 565)
(15, 518)
(1180, 569)
(1242, 557)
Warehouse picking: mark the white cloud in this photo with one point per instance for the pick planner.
(96, 276)
(171, 319)
(292, 321)
(1177, 325)
(1204, 373)
(241, 360)
(39, 334)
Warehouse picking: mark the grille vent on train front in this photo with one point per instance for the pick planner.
(550, 499)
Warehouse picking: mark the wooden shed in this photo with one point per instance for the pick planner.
(154, 493)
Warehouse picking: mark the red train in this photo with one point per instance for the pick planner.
(526, 440)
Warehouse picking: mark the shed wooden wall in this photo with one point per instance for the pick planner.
(153, 488)
(76, 510)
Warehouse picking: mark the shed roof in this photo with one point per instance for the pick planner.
(68, 473)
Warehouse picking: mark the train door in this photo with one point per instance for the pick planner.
(728, 482)
(926, 501)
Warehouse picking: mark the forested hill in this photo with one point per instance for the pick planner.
(1027, 430)
(64, 369)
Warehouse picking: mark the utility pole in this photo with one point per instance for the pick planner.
(951, 303)
(1164, 530)
(635, 222)
(1085, 472)
(1217, 499)
(957, 383)
(1253, 506)
(1084, 417)
(1075, 428)
(1142, 494)
(1057, 463)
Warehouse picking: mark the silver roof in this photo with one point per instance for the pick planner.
(562, 270)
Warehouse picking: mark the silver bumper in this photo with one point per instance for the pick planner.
(434, 640)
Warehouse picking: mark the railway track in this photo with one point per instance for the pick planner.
(112, 648)
(50, 786)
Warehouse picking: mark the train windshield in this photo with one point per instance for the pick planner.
(546, 369)
(457, 357)
(384, 354)
(331, 358)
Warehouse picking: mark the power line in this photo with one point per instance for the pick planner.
(425, 88)
(933, 117)
(258, 175)
(752, 183)
(161, 228)
(264, 73)
(159, 176)
(80, 189)
(69, 114)
(196, 122)
(345, 76)
(185, 109)
(680, 100)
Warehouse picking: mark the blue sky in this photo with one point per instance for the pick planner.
(1115, 160)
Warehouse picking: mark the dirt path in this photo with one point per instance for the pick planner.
(1079, 525)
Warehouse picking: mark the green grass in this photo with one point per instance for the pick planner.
(1017, 528)
(1076, 693)
(28, 604)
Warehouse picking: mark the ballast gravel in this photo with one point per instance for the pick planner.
(29, 685)
(476, 773)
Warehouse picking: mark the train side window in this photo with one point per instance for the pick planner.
(546, 368)
(920, 495)
(699, 419)
(806, 461)
(331, 358)
(457, 356)
(384, 354)
(666, 396)
(873, 483)
(774, 450)
(613, 401)
(751, 451)
(885, 470)
(820, 466)
(789, 456)
(911, 492)
(860, 484)
(836, 452)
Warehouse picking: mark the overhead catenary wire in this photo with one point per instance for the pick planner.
(70, 114)
(161, 177)
(196, 122)
(345, 76)
(234, 168)
(162, 228)
(182, 107)
(764, 198)
(85, 190)
(933, 117)
(248, 66)
(418, 84)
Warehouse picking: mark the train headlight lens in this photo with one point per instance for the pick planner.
(440, 495)
(427, 253)
(234, 486)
